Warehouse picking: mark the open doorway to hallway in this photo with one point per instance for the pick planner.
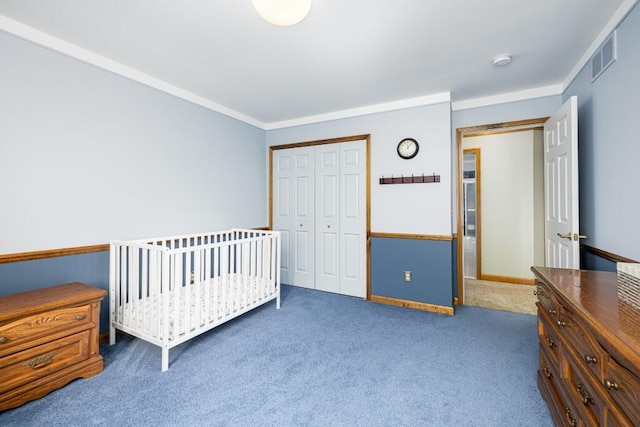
(501, 216)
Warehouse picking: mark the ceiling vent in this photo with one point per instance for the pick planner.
(604, 56)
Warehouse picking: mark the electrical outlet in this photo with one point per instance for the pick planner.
(407, 276)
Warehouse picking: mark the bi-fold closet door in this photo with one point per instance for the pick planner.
(319, 207)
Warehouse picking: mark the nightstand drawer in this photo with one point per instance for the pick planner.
(42, 325)
(37, 362)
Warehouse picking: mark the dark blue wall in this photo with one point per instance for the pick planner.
(91, 268)
(429, 261)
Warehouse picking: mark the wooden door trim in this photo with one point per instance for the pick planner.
(519, 125)
(352, 138)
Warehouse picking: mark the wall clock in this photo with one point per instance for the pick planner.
(408, 148)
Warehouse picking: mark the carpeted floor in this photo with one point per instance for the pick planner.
(500, 296)
(321, 360)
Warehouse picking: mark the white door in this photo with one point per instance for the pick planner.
(328, 217)
(340, 218)
(319, 206)
(283, 207)
(353, 233)
(561, 187)
(303, 228)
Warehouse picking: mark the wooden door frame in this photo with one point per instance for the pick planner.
(481, 130)
(367, 139)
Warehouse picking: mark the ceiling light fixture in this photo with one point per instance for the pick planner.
(282, 12)
(502, 60)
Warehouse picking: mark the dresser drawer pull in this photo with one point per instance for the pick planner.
(551, 311)
(547, 371)
(611, 385)
(80, 316)
(40, 361)
(550, 341)
(586, 396)
(3, 340)
(562, 323)
(574, 423)
(590, 359)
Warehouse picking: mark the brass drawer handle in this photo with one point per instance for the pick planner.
(550, 341)
(40, 361)
(562, 323)
(590, 359)
(547, 371)
(551, 311)
(586, 396)
(574, 423)
(3, 340)
(80, 316)
(611, 385)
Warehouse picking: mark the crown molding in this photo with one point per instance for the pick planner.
(41, 38)
(613, 23)
(420, 101)
(503, 98)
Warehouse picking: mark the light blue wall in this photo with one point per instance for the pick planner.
(87, 156)
(609, 147)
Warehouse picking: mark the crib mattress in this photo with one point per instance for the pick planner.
(218, 298)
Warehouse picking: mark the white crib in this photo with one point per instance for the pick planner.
(169, 290)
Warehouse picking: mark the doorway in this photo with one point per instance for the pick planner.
(483, 259)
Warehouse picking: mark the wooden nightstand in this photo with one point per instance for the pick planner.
(48, 337)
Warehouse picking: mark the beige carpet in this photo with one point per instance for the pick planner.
(500, 296)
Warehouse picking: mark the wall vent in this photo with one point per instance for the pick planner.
(604, 56)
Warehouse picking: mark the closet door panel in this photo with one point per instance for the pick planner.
(328, 218)
(352, 219)
(303, 268)
(282, 207)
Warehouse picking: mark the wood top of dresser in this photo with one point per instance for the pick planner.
(31, 302)
(594, 295)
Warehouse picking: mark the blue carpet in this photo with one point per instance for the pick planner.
(321, 360)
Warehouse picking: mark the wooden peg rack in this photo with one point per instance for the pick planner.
(421, 179)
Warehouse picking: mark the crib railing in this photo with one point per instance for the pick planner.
(167, 290)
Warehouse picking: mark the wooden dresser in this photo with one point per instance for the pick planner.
(589, 349)
(48, 337)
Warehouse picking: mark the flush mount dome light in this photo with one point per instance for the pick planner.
(282, 12)
(501, 60)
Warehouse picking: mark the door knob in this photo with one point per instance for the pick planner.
(565, 235)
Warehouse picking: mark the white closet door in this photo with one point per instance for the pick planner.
(319, 207)
(328, 217)
(283, 207)
(353, 230)
(303, 228)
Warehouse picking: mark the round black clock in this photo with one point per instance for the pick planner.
(408, 148)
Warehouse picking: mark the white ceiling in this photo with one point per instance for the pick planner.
(347, 54)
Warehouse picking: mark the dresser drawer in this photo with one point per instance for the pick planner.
(548, 302)
(548, 335)
(37, 362)
(589, 352)
(623, 387)
(584, 393)
(43, 325)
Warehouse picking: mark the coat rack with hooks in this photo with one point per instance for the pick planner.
(420, 179)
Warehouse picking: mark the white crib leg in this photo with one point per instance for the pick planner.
(112, 335)
(165, 359)
(278, 300)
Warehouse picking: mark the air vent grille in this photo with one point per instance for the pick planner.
(604, 56)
